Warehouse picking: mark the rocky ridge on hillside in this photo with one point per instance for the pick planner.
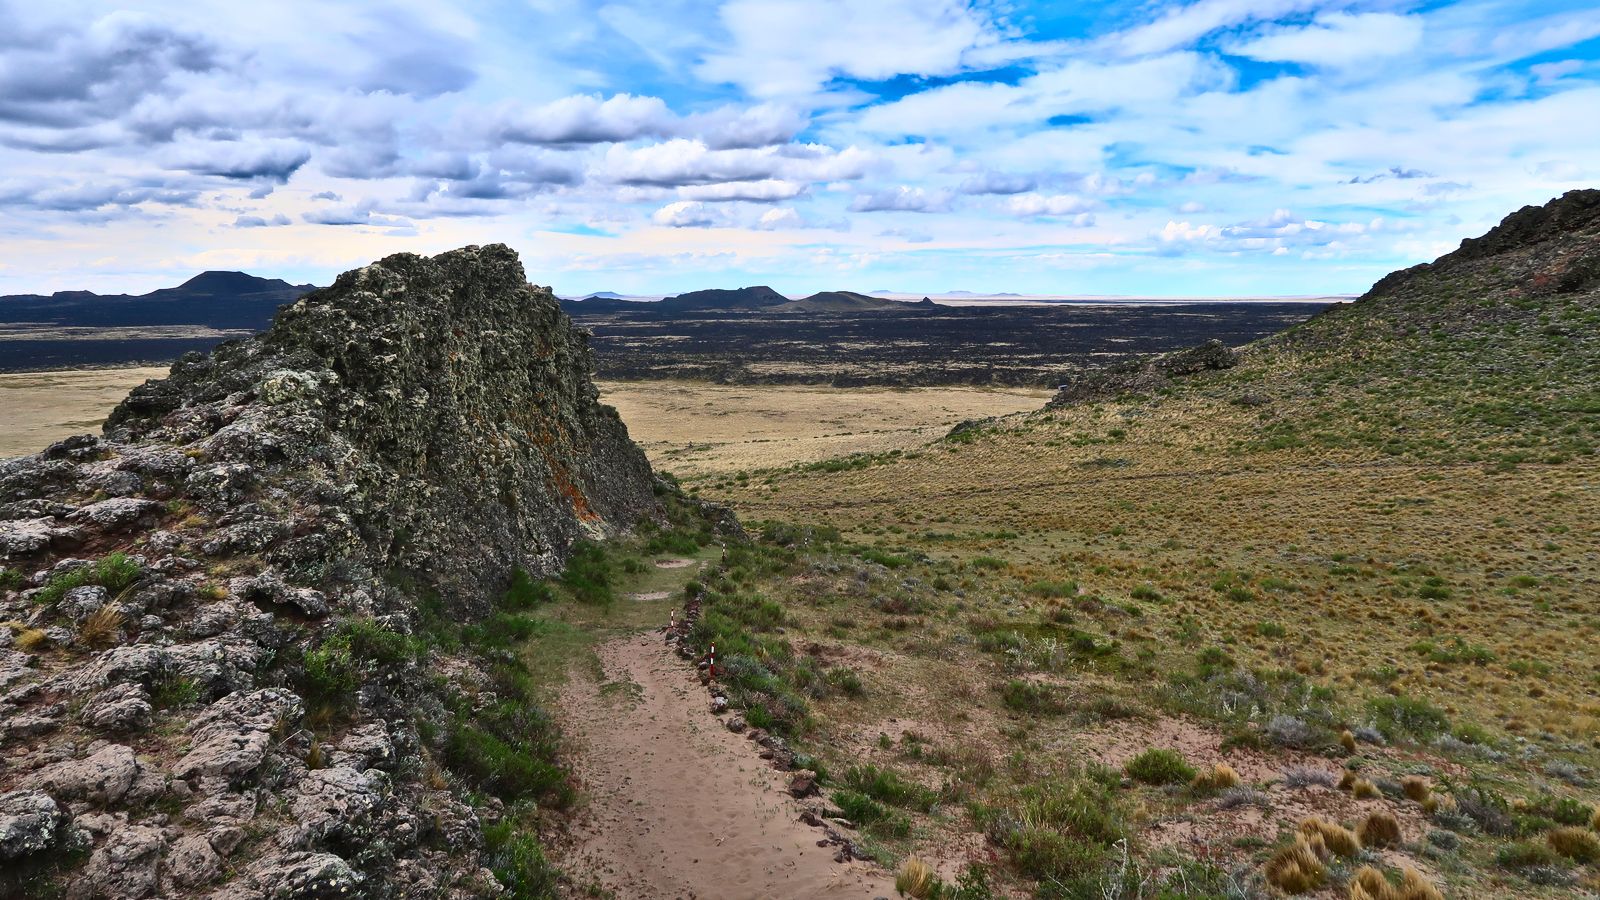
(211, 680)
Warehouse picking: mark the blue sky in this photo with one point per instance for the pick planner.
(1218, 147)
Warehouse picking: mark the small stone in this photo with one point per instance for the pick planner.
(803, 784)
(735, 724)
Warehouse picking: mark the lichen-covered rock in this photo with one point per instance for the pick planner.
(127, 865)
(422, 427)
(103, 777)
(448, 400)
(120, 707)
(30, 822)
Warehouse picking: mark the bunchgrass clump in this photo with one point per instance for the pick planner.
(1379, 829)
(1577, 844)
(1159, 766)
(1298, 868)
(1339, 840)
(1219, 777)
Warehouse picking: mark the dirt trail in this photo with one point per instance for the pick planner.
(678, 806)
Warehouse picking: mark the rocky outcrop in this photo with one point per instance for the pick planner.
(428, 405)
(212, 681)
(1144, 376)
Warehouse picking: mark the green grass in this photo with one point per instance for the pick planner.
(114, 572)
(1160, 766)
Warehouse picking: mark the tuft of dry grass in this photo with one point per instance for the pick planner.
(1299, 867)
(1347, 740)
(1417, 788)
(1575, 843)
(1338, 839)
(1364, 789)
(27, 639)
(1594, 821)
(101, 627)
(1219, 777)
(1369, 883)
(1379, 829)
(915, 879)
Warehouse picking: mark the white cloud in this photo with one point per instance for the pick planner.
(690, 214)
(587, 119)
(1052, 205)
(764, 191)
(1336, 40)
(790, 48)
(902, 199)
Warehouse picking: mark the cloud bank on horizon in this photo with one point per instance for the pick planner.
(1214, 147)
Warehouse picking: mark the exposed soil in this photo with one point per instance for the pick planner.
(678, 806)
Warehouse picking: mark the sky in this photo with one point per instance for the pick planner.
(1209, 148)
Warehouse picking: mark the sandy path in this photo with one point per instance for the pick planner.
(677, 805)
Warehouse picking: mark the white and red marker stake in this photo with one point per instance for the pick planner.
(712, 667)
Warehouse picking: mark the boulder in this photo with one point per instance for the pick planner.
(30, 822)
(128, 864)
(103, 777)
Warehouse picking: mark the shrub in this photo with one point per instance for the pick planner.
(589, 574)
(510, 771)
(518, 861)
(1577, 844)
(888, 786)
(1525, 855)
(1364, 789)
(1408, 717)
(869, 813)
(1297, 868)
(1347, 740)
(524, 593)
(1339, 840)
(1415, 787)
(11, 579)
(1031, 697)
(1217, 778)
(1043, 854)
(1158, 766)
(115, 572)
(1379, 829)
(1369, 884)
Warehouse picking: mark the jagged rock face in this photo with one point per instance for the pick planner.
(163, 588)
(1537, 258)
(442, 406)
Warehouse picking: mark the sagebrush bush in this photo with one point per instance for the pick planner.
(1159, 766)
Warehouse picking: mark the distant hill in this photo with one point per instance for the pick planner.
(738, 298)
(213, 299)
(845, 301)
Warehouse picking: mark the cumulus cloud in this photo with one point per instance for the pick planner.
(683, 162)
(261, 222)
(691, 214)
(588, 119)
(998, 183)
(362, 213)
(272, 161)
(90, 196)
(65, 76)
(1052, 205)
(902, 199)
(768, 190)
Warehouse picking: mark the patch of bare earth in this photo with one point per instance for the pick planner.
(678, 806)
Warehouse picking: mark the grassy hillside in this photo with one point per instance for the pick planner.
(1368, 547)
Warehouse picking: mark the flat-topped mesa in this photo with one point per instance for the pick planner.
(439, 411)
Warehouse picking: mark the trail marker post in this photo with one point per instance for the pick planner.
(712, 668)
